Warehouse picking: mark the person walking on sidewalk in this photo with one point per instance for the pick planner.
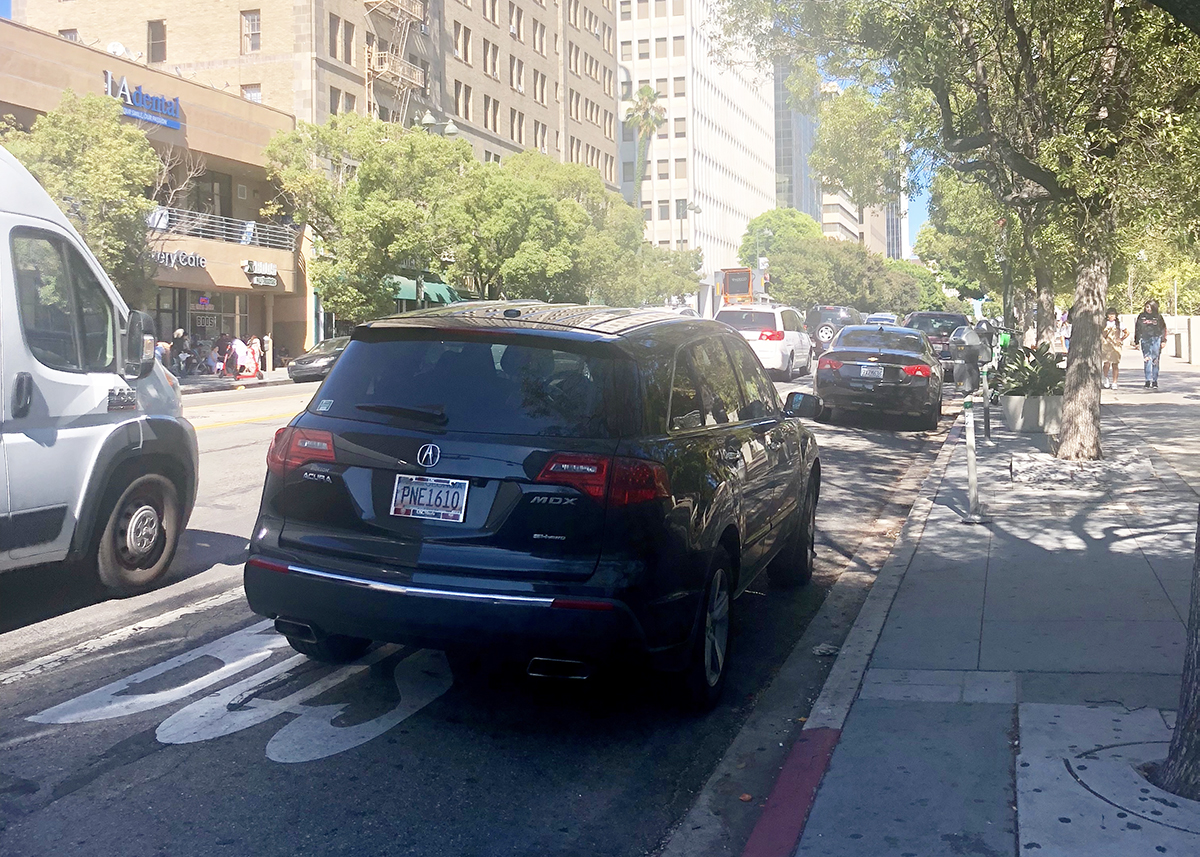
(1150, 332)
(1112, 337)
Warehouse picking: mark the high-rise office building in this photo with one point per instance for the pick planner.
(716, 151)
(795, 135)
(509, 74)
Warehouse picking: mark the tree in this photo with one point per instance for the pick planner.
(646, 116)
(775, 227)
(1180, 773)
(1085, 107)
(97, 167)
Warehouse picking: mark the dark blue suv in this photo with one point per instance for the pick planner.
(566, 484)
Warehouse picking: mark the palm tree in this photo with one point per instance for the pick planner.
(647, 116)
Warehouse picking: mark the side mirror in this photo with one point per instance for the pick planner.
(802, 405)
(139, 346)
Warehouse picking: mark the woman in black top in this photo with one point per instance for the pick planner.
(1150, 332)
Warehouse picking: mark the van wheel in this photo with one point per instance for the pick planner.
(704, 678)
(794, 564)
(334, 649)
(141, 535)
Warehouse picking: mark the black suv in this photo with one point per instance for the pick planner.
(565, 484)
(824, 322)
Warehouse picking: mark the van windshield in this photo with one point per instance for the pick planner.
(501, 385)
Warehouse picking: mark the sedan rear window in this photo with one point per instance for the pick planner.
(747, 319)
(484, 384)
(890, 340)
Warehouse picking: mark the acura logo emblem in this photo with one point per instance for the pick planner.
(428, 455)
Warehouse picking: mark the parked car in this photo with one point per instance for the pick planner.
(97, 465)
(938, 326)
(567, 485)
(315, 363)
(893, 370)
(777, 336)
(881, 318)
(823, 323)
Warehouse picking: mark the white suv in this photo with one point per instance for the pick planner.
(776, 334)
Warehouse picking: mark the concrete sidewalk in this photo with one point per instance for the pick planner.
(212, 383)
(1025, 667)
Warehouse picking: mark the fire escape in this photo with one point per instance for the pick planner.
(387, 70)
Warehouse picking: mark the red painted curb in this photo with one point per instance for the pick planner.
(782, 820)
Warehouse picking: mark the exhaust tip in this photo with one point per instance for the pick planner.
(296, 630)
(557, 668)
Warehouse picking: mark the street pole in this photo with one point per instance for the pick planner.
(987, 402)
(975, 516)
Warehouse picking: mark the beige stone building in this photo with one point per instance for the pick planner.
(509, 74)
(222, 266)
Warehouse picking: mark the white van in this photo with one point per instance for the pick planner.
(97, 464)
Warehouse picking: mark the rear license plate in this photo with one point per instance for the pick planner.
(870, 371)
(430, 498)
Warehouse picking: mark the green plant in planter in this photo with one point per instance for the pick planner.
(1032, 372)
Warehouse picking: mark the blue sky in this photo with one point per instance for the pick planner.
(5, 8)
(918, 213)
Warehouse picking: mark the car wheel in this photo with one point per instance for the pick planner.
(930, 419)
(794, 564)
(808, 362)
(785, 374)
(704, 678)
(334, 649)
(141, 535)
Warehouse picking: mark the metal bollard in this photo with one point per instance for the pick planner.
(987, 406)
(975, 516)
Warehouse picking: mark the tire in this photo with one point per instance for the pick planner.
(708, 667)
(786, 373)
(139, 539)
(334, 649)
(807, 364)
(794, 564)
(929, 420)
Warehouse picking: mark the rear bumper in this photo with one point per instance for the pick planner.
(516, 619)
(889, 399)
(772, 355)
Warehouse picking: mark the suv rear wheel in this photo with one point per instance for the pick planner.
(141, 535)
(704, 678)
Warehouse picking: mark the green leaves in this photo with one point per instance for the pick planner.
(1031, 372)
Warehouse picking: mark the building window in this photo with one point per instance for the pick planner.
(681, 168)
(680, 126)
(662, 131)
(349, 102)
(462, 44)
(626, 90)
(660, 8)
(679, 87)
(347, 43)
(646, 213)
(69, 35)
(664, 209)
(677, 44)
(251, 31)
(660, 87)
(626, 51)
(462, 100)
(643, 8)
(626, 10)
(677, 7)
(663, 171)
(252, 92)
(156, 41)
(627, 171)
(335, 26)
(335, 100)
(643, 49)
(626, 133)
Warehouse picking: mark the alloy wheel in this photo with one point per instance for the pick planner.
(716, 628)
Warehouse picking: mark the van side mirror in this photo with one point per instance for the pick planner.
(139, 346)
(802, 405)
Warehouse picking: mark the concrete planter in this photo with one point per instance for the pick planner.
(1032, 414)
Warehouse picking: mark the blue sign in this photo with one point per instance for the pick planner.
(136, 104)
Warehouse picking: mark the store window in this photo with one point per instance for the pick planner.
(212, 313)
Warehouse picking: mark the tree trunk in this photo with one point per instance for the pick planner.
(1044, 280)
(1180, 774)
(1079, 438)
(643, 149)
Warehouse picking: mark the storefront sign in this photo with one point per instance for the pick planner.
(261, 273)
(180, 259)
(204, 320)
(142, 105)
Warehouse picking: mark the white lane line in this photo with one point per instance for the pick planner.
(53, 660)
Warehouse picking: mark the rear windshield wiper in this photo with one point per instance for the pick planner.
(437, 417)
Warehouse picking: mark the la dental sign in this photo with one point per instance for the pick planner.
(137, 104)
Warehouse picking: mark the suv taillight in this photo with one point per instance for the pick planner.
(632, 479)
(773, 335)
(295, 447)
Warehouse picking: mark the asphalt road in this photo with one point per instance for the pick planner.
(177, 723)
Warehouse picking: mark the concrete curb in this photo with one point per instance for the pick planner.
(192, 389)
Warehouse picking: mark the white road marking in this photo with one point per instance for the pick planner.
(72, 653)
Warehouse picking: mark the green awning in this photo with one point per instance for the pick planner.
(435, 290)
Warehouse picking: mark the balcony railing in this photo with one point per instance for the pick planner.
(178, 221)
(413, 9)
(389, 65)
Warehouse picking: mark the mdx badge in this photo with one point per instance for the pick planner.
(428, 455)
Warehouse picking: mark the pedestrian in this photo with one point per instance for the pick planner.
(268, 354)
(1112, 337)
(1150, 332)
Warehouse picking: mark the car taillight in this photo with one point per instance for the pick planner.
(829, 363)
(295, 447)
(773, 335)
(588, 473)
(636, 481)
(919, 370)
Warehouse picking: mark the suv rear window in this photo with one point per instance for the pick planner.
(836, 314)
(937, 325)
(747, 319)
(482, 384)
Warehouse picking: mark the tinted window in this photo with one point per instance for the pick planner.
(99, 336)
(329, 345)
(935, 325)
(791, 321)
(496, 385)
(686, 411)
(747, 319)
(758, 392)
(719, 396)
(44, 296)
(836, 314)
(890, 339)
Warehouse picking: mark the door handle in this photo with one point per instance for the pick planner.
(22, 397)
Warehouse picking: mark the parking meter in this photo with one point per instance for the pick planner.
(969, 351)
